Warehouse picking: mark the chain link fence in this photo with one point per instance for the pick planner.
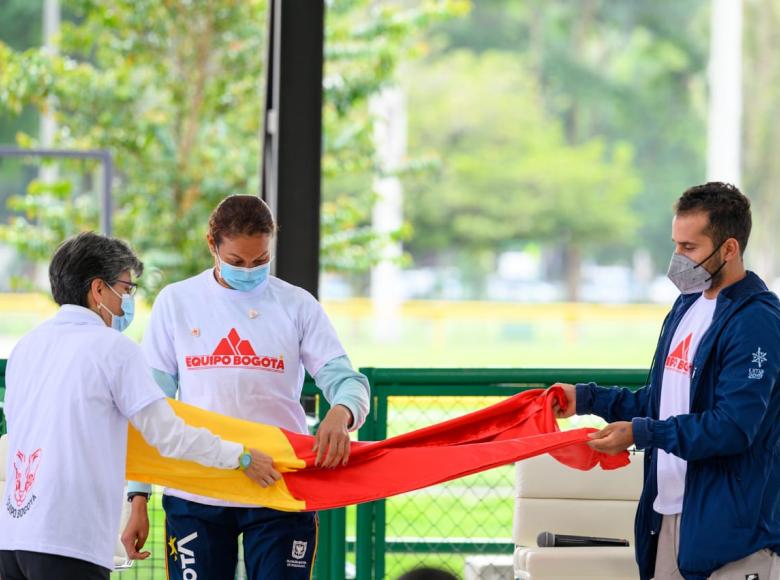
(442, 526)
(452, 526)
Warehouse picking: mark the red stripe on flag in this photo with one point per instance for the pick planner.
(520, 427)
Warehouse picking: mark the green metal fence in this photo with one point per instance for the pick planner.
(441, 525)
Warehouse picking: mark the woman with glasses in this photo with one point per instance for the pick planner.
(236, 340)
(72, 385)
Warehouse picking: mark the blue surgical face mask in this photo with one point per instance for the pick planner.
(243, 279)
(121, 323)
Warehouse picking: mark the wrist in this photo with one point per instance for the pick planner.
(245, 459)
(138, 500)
(346, 412)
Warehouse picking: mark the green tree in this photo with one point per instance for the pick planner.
(630, 72)
(20, 28)
(507, 172)
(173, 89)
(761, 98)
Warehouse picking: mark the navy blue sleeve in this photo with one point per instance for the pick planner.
(612, 403)
(750, 352)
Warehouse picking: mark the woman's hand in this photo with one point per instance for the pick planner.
(137, 529)
(332, 439)
(571, 401)
(261, 469)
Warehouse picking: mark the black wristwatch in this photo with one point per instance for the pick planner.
(132, 494)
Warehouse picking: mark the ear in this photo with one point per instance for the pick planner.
(19, 461)
(95, 296)
(35, 461)
(731, 250)
(212, 244)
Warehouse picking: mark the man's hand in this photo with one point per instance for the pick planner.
(332, 439)
(614, 438)
(261, 469)
(571, 404)
(137, 529)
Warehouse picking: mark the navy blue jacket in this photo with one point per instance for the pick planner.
(730, 439)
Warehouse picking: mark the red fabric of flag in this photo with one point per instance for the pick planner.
(520, 427)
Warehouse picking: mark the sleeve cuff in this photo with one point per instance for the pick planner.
(643, 429)
(229, 454)
(584, 398)
(138, 487)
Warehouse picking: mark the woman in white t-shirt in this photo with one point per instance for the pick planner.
(238, 341)
(72, 384)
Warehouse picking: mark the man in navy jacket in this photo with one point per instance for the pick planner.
(708, 417)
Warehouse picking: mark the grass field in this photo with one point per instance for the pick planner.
(447, 334)
(436, 335)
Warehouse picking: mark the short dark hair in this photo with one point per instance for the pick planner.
(428, 574)
(727, 208)
(241, 215)
(87, 257)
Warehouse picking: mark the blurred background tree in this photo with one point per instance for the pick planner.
(174, 90)
(624, 78)
(572, 126)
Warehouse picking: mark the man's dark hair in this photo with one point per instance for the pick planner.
(726, 206)
(84, 258)
(428, 574)
(241, 215)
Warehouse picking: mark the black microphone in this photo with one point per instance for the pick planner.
(550, 540)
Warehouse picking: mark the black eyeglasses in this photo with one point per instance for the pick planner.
(132, 287)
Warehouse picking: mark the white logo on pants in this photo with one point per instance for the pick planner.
(187, 557)
(299, 549)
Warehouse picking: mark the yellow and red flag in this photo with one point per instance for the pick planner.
(517, 428)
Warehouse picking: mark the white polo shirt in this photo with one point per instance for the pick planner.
(72, 384)
(241, 354)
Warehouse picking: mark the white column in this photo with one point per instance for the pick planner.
(724, 140)
(390, 125)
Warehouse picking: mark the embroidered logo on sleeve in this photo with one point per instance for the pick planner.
(759, 358)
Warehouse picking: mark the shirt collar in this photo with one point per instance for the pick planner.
(74, 314)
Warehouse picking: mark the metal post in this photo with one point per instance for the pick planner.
(364, 540)
(293, 136)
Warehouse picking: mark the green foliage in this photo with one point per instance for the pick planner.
(623, 72)
(173, 89)
(507, 171)
(365, 44)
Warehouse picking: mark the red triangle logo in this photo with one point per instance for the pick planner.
(234, 344)
(682, 350)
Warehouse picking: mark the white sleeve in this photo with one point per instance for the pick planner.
(129, 379)
(158, 343)
(318, 339)
(163, 429)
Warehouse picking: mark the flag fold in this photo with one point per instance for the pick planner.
(517, 428)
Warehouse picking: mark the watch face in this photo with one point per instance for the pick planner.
(245, 460)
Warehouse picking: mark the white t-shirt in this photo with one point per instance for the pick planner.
(676, 400)
(72, 385)
(241, 354)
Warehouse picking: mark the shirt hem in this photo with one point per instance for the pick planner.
(59, 551)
